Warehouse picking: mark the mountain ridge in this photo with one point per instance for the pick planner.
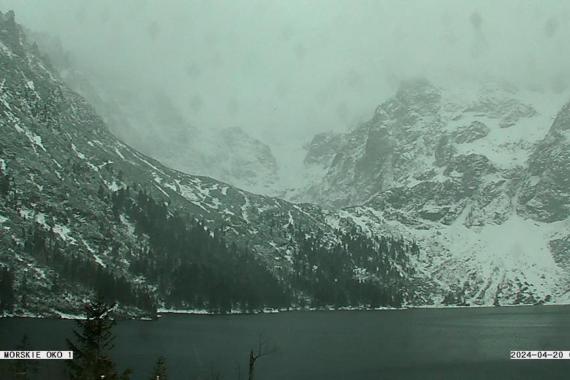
(148, 119)
(423, 196)
(82, 212)
(486, 168)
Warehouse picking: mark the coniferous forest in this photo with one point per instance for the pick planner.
(195, 267)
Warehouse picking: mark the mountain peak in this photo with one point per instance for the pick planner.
(8, 17)
(414, 98)
(11, 33)
(417, 88)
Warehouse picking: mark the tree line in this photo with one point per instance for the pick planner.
(195, 267)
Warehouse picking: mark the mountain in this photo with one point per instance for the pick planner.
(478, 176)
(82, 212)
(147, 119)
(445, 196)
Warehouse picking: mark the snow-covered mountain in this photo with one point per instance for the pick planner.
(443, 197)
(479, 176)
(83, 212)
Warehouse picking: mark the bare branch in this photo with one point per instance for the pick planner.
(264, 347)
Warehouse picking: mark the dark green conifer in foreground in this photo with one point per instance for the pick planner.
(159, 371)
(92, 345)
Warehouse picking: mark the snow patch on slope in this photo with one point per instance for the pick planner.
(493, 257)
(77, 153)
(505, 147)
(64, 233)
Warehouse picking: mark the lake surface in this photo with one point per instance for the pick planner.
(465, 343)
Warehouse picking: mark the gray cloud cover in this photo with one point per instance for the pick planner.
(285, 69)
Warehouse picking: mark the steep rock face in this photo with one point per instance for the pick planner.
(376, 153)
(545, 195)
(323, 148)
(422, 133)
(479, 177)
(545, 192)
(243, 160)
(147, 119)
(469, 133)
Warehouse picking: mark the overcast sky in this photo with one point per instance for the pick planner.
(290, 68)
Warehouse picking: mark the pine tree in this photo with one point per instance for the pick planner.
(159, 372)
(7, 296)
(92, 346)
(4, 184)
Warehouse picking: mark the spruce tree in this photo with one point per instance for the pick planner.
(4, 184)
(7, 297)
(93, 344)
(159, 372)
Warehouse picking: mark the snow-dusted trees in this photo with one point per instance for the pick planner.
(197, 266)
(76, 269)
(355, 270)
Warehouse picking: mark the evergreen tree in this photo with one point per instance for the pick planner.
(92, 346)
(7, 296)
(4, 184)
(159, 372)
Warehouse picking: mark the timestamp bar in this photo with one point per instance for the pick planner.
(539, 355)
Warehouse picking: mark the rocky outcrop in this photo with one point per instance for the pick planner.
(545, 195)
(469, 133)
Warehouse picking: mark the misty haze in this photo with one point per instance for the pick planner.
(268, 189)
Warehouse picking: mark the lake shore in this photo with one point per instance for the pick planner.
(204, 312)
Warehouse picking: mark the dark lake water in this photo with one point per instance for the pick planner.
(467, 343)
